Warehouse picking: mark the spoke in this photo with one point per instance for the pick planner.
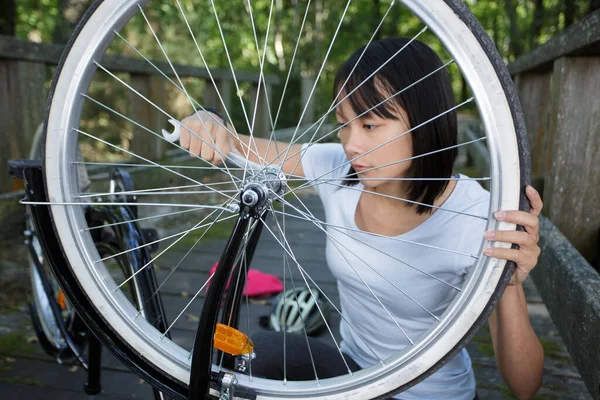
(153, 193)
(168, 115)
(359, 116)
(214, 167)
(213, 117)
(149, 161)
(388, 141)
(284, 330)
(370, 267)
(242, 256)
(150, 166)
(302, 272)
(140, 219)
(378, 179)
(322, 292)
(183, 258)
(355, 118)
(211, 77)
(238, 91)
(387, 196)
(290, 69)
(245, 262)
(156, 190)
(317, 78)
(197, 226)
(189, 303)
(119, 204)
(187, 306)
(333, 105)
(214, 145)
(161, 137)
(337, 228)
(422, 155)
(179, 234)
(237, 87)
(261, 64)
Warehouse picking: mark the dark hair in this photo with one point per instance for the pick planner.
(425, 100)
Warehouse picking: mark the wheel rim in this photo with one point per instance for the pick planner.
(496, 117)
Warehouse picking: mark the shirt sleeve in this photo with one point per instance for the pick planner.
(472, 229)
(324, 163)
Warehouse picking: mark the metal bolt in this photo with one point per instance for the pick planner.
(250, 198)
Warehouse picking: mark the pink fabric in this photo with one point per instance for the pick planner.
(259, 284)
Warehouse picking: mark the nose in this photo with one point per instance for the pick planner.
(353, 141)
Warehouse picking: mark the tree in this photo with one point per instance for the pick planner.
(7, 18)
(515, 34)
(538, 22)
(70, 12)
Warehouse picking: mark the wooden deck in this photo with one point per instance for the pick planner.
(26, 372)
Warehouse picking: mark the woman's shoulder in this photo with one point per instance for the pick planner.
(324, 159)
(471, 195)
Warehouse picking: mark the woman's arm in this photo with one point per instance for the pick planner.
(205, 136)
(519, 354)
(273, 152)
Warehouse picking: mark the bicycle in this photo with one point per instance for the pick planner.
(256, 188)
(60, 331)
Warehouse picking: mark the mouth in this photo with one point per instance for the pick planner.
(359, 167)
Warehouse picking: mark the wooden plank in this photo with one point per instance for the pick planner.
(580, 39)
(211, 97)
(569, 287)
(23, 50)
(534, 93)
(572, 185)
(30, 379)
(22, 107)
(262, 121)
(143, 143)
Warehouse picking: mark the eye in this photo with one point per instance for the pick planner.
(369, 127)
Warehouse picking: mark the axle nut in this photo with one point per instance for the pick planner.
(250, 198)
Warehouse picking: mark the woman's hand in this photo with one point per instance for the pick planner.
(526, 256)
(203, 136)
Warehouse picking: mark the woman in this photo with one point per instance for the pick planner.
(362, 193)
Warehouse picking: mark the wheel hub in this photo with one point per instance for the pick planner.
(260, 190)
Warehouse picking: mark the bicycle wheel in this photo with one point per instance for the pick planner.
(79, 113)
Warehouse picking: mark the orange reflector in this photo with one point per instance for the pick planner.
(232, 341)
(18, 184)
(61, 300)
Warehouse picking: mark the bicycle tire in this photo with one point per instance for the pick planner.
(497, 100)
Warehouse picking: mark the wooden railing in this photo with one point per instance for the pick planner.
(559, 88)
(26, 67)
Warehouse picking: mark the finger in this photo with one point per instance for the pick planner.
(515, 255)
(195, 145)
(184, 136)
(222, 143)
(535, 200)
(528, 220)
(207, 152)
(523, 239)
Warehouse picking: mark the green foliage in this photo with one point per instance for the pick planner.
(36, 19)
(515, 26)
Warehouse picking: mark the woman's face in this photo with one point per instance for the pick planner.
(368, 132)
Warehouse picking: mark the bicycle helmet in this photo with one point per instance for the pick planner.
(297, 307)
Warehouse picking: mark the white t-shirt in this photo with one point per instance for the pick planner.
(371, 323)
